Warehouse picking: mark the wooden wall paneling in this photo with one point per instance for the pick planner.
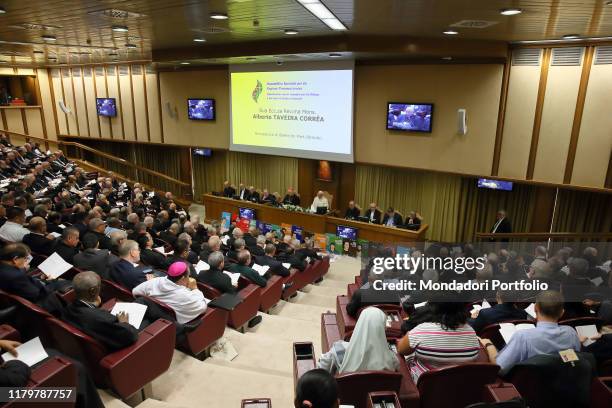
(153, 106)
(68, 98)
(24, 122)
(125, 94)
(146, 102)
(76, 105)
(14, 123)
(133, 102)
(609, 173)
(582, 91)
(346, 188)
(43, 131)
(80, 100)
(543, 209)
(503, 99)
(108, 95)
(34, 123)
(47, 102)
(94, 77)
(4, 124)
(89, 93)
(114, 91)
(58, 92)
(161, 120)
(537, 120)
(85, 102)
(306, 179)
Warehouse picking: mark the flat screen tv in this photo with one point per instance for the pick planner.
(201, 109)
(106, 107)
(247, 213)
(346, 232)
(410, 117)
(202, 152)
(495, 184)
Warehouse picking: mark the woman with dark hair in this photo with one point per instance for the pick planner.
(446, 339)
(316, 389)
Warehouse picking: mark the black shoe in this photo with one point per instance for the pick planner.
(255, 321)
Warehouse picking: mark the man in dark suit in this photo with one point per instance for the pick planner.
(504, 310)
(253, 195)
(114, 332)
(228, 190)
(391, 218)
(258, 248)
(352, 212)
(243, 192)
(93, 258)
(249, 237)
(373, 214)
(276, 267)
(413, 221)
(13, 373)
(148, 255)
(291, 197)
(171, 234)
(67, 246)
(502, 224)
(127, 272)
(242, 267)
(38, 240)
(14, 280)
(97, 226)
(214, 276)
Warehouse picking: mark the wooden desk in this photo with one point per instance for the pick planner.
(310, 222)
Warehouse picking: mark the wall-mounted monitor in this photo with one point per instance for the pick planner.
(201, 109)
(106, 107)
(247, 213)
(202, 152)
(346, 232)
(495, 184)
(410, 117)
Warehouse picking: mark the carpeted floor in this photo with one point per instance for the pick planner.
(263, 367)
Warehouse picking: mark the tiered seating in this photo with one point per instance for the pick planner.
(245, 310)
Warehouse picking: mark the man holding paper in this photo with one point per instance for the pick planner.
(214, 276)
(242, 267)
(502, 311)
(546, 338)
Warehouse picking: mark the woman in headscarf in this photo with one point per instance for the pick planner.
(368, 348)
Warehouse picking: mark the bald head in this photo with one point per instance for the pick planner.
(87, 286)
(38, 224)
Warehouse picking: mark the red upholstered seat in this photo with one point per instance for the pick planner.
(245, 311)
(271, 294)
(8, 332)
(124, 371)
(256, 403)
(329, 331)
(29, 318)
(303, 360)
(353, 388)
(601, 392)
(112, 290)
(345, 322)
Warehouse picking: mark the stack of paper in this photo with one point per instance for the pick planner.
(56, 234)
(261, 270)
(202, 266)
(31, 352)
(161, 251)
(233, 276)
(224, 239)
(588, 332)
(507, 330)
(54, 266)
(135, 312)
(417, 305)
(287, 265)
(484, 305)
(531, 310)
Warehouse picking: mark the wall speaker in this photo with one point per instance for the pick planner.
(461, 121)
(64, 108)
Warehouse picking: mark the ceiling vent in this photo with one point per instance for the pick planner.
(567, 57)
(473, 24)
(34, 26)
(116, 14)
(527, 57)
(603, 55)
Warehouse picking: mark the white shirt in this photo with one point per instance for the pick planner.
(187, 304)
(319, 202)
(13, 232)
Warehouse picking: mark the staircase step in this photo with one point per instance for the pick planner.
(152, 403)
(314, 298)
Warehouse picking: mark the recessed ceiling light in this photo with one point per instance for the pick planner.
(199, 40)
(185, 63)
(49, 38)
(3, 62)
(120, 28)
(335, 55)
(510, 11)
(131, 46)
(320, 11)
(2, 10)
(291, 32)
(571, 36)
(218, 16)
(451, 32)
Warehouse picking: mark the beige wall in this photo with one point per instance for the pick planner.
(449, 87)
(176, 88)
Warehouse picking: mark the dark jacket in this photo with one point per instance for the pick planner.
(276, 267)
(217, 279)
(504, 227)
(397, 219)
(377, 215)
(248, 273)
(39, 243)
(229, 192)
(98, 260)
(104, 242)
(16, 282)
(154, 259)
(352, 213)
(14, 373)
(127, 275)
(101, 325)
(66, 251)
(293, 200)
(496, 314)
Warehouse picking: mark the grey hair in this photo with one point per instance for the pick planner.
(126, 247)
(215, 259)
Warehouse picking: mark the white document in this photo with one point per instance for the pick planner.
(597, 281)
(485, 304)
(588, 332)
(224, 239)
(31, 352)
(28, 213)
(287, 265)
(507, 330)
(119, 204)
(531, 310)
(202, 266)
(417, 305)
(233, 276)
(54, 266)
(62, 226)
(261, 270)
(161, 251)
(135, 312)
(56, 234)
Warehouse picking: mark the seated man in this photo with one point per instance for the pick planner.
(97, 227)
(266, 197)
(237, 246)
(291, 197)
(373, 214)
(214, 276)
(276, 267)
(93, 258)
(242, 267)
(213, 245)
(352, 212)
(171, 234)
(258, 248)
(114, 332)
(127, 272)
(38, 240)
(319, 203)
(13, 229)
(148, 255)
(178, 291)
(67, 246)
(546, 338)
(391, 218)
(504, 310)
(253, 195)
(413, 221)
(228, 190)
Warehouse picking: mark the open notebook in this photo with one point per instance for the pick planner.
(507, 330)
